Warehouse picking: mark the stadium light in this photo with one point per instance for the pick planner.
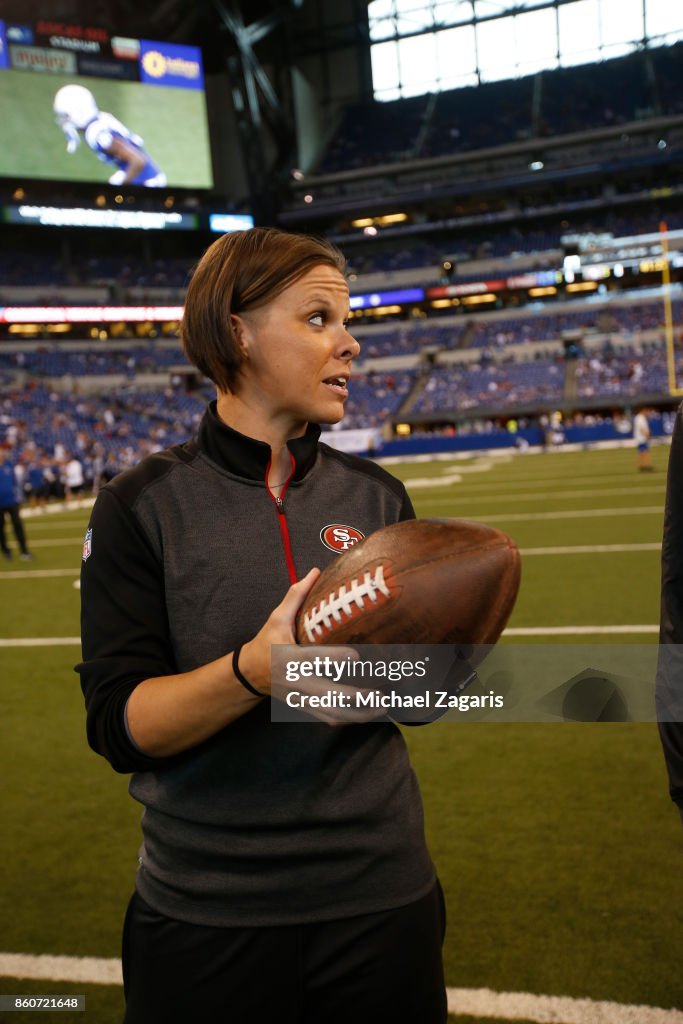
(582, 286)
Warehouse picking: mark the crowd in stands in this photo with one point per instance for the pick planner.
(500, 243)
(129, 271)
(47, 430)
(131, 278)
(468, 387)
(33, 268)
(482, 332)
(494, 113)
(625, 373)
(110, 433)
(107, 434)
(40, 269)
(64, 445)
(607, 374)
(49, 361)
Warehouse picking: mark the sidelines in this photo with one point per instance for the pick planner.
(475, 1002)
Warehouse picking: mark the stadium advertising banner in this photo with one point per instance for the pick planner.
(386, 298)
(227, 222)
(88, 314)
(79, 105)
(76, 217)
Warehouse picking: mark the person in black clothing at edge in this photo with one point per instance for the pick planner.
(283, 873)
(670, 662)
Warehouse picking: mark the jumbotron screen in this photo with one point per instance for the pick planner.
(77, 104)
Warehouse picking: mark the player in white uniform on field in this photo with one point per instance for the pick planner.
(641, 435)
(110, 140)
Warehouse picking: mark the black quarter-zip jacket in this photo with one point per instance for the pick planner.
(264, 823)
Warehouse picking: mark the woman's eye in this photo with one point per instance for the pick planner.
(318, 319)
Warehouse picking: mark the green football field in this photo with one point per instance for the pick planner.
(557, 845)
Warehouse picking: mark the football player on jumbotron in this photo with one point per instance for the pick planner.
(109, 139)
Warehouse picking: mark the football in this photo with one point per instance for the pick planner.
(423, 581)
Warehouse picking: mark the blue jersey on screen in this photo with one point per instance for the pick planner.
(100, 134)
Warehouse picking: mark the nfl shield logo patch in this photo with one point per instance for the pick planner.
(87, 544)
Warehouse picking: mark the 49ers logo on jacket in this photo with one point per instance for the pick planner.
(340, 538)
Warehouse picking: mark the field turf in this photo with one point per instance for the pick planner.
(557, 845)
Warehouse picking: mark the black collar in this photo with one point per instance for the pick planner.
(247, 457)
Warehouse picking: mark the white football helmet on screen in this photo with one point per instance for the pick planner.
(74, 104)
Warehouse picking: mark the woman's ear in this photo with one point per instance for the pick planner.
(240, 331)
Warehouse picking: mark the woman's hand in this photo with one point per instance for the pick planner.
(256, 662)
(255, 657)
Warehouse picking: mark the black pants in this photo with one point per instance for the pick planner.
(13, 512)
(359, 970)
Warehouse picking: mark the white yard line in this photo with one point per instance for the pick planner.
(424, 482)
(57, 507)
(584, 513)
(578, 630)
(592, 549)
(39, 574)
(484, 1002)
(56, 542)
(40, 641)
(544, 482)
(68, 641)
(59, 524)
(474, 1002)
(569, 549)
(433, 481)
(89, 970)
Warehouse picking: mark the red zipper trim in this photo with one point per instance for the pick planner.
(282, 519)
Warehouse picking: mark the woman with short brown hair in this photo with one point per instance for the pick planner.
(283, 871)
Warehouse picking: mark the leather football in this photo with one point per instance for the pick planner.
(423, 581)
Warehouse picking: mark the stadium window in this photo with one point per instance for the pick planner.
(622, 23)
(417, 61)
(580, 32)
(535, 37)
(381, 18)
(496, 49)
(435, 45)
(385, 67)
(456, 57)
(413, 16)
(388, 95)
(486, 8)
(452, 12)
(664, 19)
